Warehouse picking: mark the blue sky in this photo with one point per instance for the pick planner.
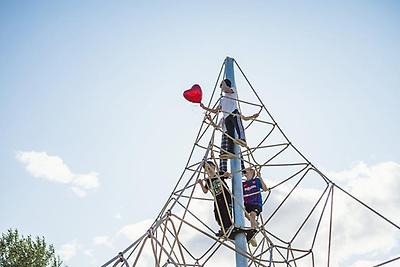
(98, 84)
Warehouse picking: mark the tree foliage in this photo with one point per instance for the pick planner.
(19, 251)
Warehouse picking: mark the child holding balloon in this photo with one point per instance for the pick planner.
(232, 119)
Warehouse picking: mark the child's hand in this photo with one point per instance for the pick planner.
(227, 174)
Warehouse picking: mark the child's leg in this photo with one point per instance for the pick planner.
(247, 215)
(230, 130)
(248, 211)
(225, 212)
(223, 215)
(253, 221)
(217, 215)
(239, 126)
(242, 163)
(223, 163)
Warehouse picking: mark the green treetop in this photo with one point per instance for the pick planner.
(19, 251)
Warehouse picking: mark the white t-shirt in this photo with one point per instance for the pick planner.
(222, 124)
(229, 103)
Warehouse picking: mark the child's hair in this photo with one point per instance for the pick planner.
(228, 83)
(209, 162)
(253, 171)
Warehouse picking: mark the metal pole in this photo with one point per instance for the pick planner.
(237, 190)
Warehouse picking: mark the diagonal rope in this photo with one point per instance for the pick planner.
(273, 249)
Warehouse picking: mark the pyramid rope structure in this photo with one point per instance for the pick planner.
(297, 225)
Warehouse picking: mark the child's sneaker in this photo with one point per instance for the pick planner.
(226, 155)
(240, 142)
(253, 242)
(220, 233)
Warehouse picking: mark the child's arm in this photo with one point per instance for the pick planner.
(252, 117)
(263, 185)
(208, 117)
(213, 110)
(226, 175)
(203, 187)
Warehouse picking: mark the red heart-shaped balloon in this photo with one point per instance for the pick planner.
(193, 94)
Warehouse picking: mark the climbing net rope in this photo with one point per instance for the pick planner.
(297, 224)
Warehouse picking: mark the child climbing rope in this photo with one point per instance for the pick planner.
(232, 119)
(221, 194)
(223, 162)
(252, 197)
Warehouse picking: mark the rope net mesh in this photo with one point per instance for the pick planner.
(307, 219)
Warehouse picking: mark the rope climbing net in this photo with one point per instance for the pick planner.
(306, 219)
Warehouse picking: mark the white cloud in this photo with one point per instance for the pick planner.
(136, 230)
(78, 191)
(378, 184)
(53, 169)
(39, 164)
(359, 237)
(68, 250)
(363, 263)
(130, 231)
(118, 216)
(87, 181)
(103, 241)
(88, 252)
(359, 231)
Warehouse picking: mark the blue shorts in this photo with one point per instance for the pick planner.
(253, 208)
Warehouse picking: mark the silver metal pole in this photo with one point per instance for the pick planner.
(238, 213)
